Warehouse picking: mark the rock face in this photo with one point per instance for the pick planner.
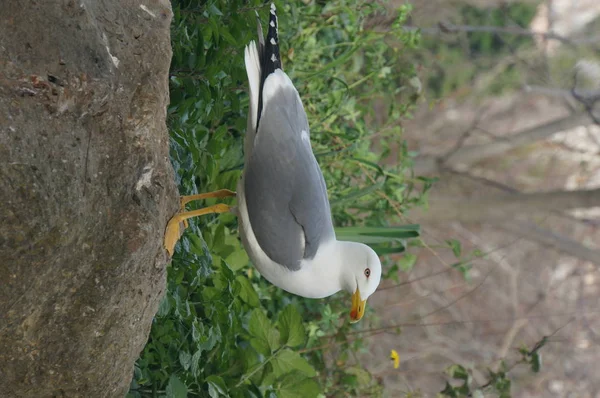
(86, 189)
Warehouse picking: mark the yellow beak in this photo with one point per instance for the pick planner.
(358, 307)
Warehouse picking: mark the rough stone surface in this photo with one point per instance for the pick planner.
(86, 189)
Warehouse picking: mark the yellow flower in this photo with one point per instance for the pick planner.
(396, 358)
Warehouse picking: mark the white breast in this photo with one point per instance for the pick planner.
(316, 278)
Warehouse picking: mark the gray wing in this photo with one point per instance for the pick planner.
(284, 187)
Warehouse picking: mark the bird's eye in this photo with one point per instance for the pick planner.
(367, 272)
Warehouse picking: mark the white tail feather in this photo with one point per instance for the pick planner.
(253, 70)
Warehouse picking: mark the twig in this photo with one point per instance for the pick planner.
(463, 137)
(446, 27)
(427, 165)
(589, 101)
(556, 241)
(462, 296)
(538, 346)
(470, 321)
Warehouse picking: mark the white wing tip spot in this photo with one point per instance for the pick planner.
(272, 24)
(273, 58)
(273, 42)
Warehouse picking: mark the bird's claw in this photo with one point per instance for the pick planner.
(182, 203)
(173, 233)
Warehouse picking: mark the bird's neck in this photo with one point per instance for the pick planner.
(325, 274)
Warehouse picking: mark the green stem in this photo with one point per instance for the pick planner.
(273, 355)
(360, 81)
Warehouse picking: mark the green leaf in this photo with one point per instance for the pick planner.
(357, 194)
(392, 273)
(218, 237)
(370, 164)
(407, 262)
(290, 327)
(458, 372)
(449, 391)
(455, 246)
(237, 260)
(200, 50)
(464, 268)
(247, 292)
(366, 239)
(273, 339)
(383, 249)
(371, 235)
(296, 386)
(362, 376)
(212, 391)
(536, 362)
(214, 336)
(164, 306)
(195, 363)
(185, 359)
(399, 232)
(261, 328)
(337, 62)
(261, 346)
(267, 377)
(287, 360)
(259, 325)
(213, 10)
(216, 386)
(228, 37)
(197, 331)
(175, 388)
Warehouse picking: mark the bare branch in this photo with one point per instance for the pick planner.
(559, 242)
(446, 27)
(500, 207)
(558, 92)
(589, 101)
(468, 155)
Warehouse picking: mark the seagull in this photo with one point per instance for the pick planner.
(283, 210)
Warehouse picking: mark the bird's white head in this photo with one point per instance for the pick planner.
(362, 276)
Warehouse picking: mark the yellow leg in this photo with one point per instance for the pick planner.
(174, 231)
(221, 193)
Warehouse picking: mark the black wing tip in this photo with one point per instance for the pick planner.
(272, 59)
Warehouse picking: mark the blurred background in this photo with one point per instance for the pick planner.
(509, 120)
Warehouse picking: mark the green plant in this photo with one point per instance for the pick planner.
(498, 381)
(221, 330)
